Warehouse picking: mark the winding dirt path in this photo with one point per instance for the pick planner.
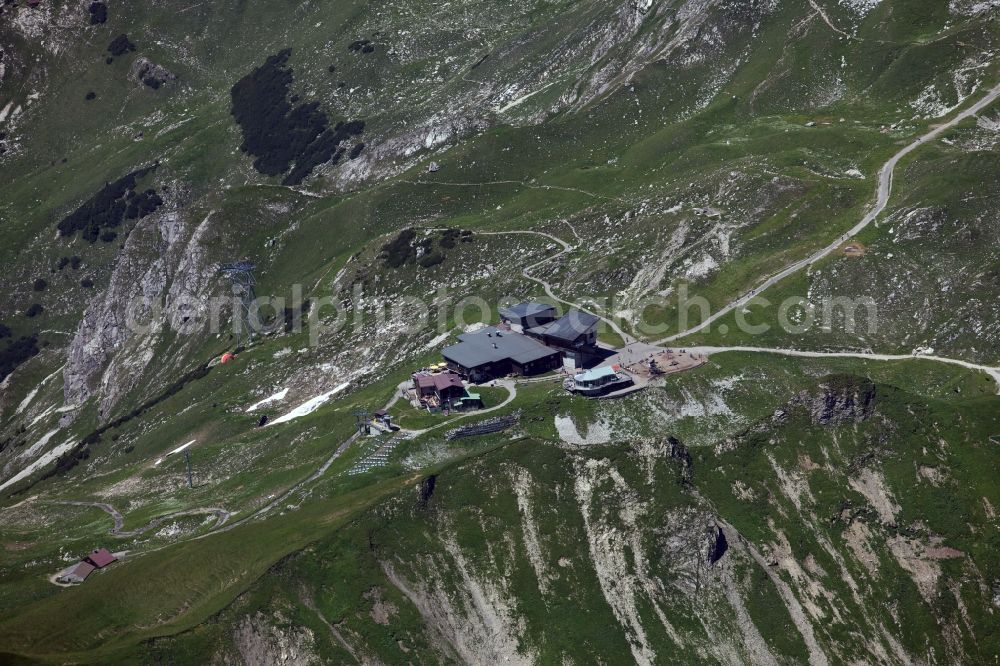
(566, 247)
(221, 516)
(885, 186)
(883, 193)
(521, 183)
(991, 371)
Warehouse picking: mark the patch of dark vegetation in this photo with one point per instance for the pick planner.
(150, 74)
(432, 258)
(40, 285)
(675, 450)
(359, 45)
(400, 249)
(109, 236)
(295, 316)
(17, 352)
(426, 252)
(449, 238)
(719, 548)
(331, 69)
(143, 204)
(106, 210)
(120, 45)
(87, 283)
(356, 151)
(98, 13)
(4, 331)
(90, 96)
(34, 310)
(63, 263)
(279, 134)
(74, 262)
(427, 490)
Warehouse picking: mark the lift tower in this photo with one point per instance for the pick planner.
(240, 275)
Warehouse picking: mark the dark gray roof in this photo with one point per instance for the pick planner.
(476, 349)
(527, 309)
(571, 325)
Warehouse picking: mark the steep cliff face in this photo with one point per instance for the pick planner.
(159, 283)
(776, 549)
(841, 399)
(590, 51)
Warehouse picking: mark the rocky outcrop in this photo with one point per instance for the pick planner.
(596, 49)
(147, 72)
(840, 399)
(160, 279)
(260, 642)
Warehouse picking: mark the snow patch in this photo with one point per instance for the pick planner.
(310, 406)
(280, 395)
(38, 464)
(438, 340)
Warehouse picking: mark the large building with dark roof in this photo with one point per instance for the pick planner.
(493, 352)
(529, 314)
(574, 334)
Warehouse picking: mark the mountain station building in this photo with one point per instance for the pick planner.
(494, 352)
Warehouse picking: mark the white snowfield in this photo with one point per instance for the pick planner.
(438, 340)
(31, 396)
(310, 406)
(177, 450)
(280, 395)
(42, 461)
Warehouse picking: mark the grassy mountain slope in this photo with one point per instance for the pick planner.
(703, 143)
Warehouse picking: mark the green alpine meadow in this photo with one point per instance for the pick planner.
(557, 332)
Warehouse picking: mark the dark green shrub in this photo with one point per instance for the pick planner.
(16, 353)
(400, 249)
(432, 258)
(120, 45)
(279, 134)
(98, 13)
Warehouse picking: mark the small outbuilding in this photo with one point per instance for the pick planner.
(599, 381)
(100, 558)
(78, 574)
(442, 386)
